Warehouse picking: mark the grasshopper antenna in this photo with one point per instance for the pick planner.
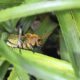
(19, 43)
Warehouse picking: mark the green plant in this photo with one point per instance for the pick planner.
(26, 63)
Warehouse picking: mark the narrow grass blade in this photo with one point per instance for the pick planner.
(45, 29)
(18, 74)
(3, 69)
(25, 23)
(63, 49)
(76, 17)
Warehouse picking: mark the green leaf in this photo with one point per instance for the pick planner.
(3, 69)
(63, 50)
(71, 38)
(41, 66)
(25, 23)
(46, 27)
(8, 26)
(76, 15)
(9, 3)
(18, 74)
(37, 8)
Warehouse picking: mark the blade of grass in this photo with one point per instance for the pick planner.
(8, 25)
(25, 23)
(3, 69)
(18, 74)
(63, 50)
(71, 37)
(9, 3)
(13, 75)
(76, 15)
(45, 29)
(1, 61)
(37, 8)
(40, 66)
(33, 1)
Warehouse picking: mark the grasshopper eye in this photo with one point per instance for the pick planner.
(39, 39)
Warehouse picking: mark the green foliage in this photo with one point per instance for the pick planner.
(25, 63)
(17, 74)
(71, 44)
(3, 69)
(36, 8)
